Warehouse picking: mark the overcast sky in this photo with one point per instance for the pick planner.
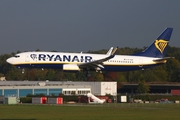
(82, 25)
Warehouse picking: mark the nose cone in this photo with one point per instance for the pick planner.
(9, 60)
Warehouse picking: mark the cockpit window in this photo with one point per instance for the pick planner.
(16, 56)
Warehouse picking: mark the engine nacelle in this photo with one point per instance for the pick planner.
(71, 67)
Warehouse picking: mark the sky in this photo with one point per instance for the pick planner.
(83, 25)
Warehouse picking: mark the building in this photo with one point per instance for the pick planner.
(154, 88)
(23, 88)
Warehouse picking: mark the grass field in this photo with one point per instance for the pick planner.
(125, 111)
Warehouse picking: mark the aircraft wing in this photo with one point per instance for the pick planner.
(98, 64)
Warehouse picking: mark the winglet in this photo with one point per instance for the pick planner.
(114, 52)
(110, 50)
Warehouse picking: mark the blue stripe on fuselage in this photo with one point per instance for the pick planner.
(106, 67)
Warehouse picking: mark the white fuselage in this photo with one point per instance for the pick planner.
(58, 59)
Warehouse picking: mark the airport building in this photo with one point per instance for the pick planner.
(23, 88)
(154, 88)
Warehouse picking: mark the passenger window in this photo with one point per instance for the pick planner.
(16, 56)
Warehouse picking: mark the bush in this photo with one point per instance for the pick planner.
(70, 98)
(157, 97)
(26, 99)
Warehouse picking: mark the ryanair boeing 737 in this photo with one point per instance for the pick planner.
(152, 56)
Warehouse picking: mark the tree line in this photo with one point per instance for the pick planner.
(169, 72)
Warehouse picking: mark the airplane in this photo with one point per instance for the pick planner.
(150, 57)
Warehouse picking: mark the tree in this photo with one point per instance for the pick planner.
(51, 75)
(173, 70)
(81, 76)
(142, 87)
(1, 75)
(99, 76)
(111, 76)
(14, 74)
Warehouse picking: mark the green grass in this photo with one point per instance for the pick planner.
(91, 112)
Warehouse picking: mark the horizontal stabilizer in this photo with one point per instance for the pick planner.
(162, 59)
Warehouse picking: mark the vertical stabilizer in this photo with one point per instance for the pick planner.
(159, 46)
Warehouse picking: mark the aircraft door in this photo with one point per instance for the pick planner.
(27, 59)
(140, 62)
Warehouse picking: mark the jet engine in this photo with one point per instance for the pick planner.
(71, 67)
